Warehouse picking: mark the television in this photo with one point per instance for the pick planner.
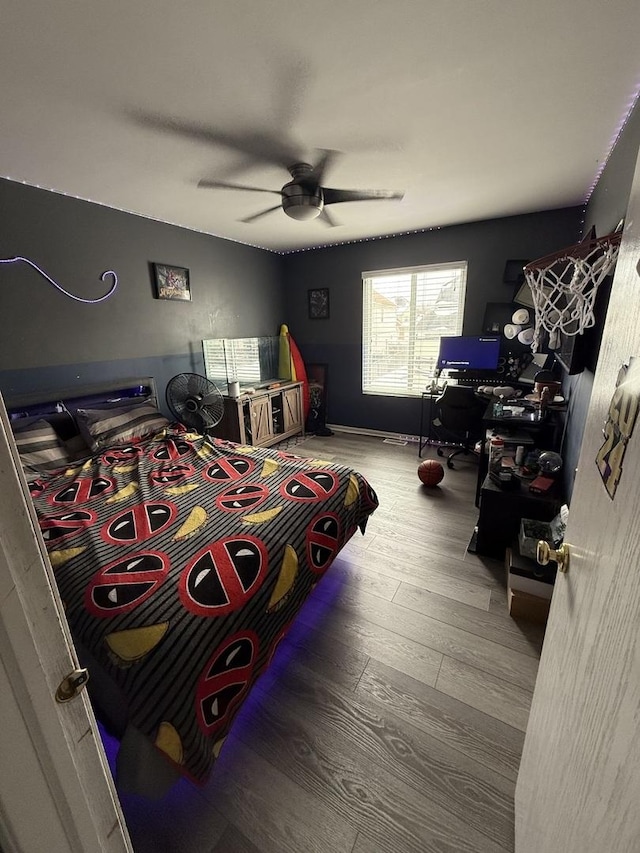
(474, 354)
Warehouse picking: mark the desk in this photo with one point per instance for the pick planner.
(426, 402)
(528, 429)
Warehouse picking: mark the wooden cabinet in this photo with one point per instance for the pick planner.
(263, 418)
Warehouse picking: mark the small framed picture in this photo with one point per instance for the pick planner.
(524, 296)
(319, 303)
(172, 282)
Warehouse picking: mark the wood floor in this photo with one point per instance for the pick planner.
(393, 716)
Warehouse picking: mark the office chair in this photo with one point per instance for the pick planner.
(458, 421)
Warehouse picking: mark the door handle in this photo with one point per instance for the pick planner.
(545, 554)
(72, 685)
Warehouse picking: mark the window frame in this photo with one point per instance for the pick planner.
(414, 296)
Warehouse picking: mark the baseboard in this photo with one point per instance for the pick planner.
(373, 432)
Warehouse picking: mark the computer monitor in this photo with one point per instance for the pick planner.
(469, 353)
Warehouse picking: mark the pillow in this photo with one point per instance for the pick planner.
(39, 446)
(102, 428)
(77, 449)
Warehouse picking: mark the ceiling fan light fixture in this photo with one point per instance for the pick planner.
(301, 202)
(304, 198)
(302, 211)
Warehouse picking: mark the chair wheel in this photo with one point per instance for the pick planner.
(440, 451)
(449, 463)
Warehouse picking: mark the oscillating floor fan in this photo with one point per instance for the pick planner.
(195, 401)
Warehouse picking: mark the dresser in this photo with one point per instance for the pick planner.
(263, 418)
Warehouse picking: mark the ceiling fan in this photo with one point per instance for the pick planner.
(304, 197)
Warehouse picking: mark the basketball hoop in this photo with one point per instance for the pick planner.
(564, 287)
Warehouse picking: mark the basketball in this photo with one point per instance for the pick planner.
(430, 472)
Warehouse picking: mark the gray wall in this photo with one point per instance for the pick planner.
(49, 341)
(607, 206)
(338, 341)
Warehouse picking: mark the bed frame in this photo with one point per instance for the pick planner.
(65, 402)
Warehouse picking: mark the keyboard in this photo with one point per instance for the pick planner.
(472, 382)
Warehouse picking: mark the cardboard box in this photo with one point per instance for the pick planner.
(528, 607)
(530, 604)
(525, 575)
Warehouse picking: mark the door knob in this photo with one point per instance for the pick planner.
(545, 554)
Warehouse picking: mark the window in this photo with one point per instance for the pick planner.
(226, 359)
(405, 313)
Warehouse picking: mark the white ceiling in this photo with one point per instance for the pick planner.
(474, 108)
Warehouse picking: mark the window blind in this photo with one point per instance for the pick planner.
(405, 313)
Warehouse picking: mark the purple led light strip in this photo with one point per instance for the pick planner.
(614, 140)
(59, 287)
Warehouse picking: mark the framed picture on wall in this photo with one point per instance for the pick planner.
(318, 303)
(171, 282)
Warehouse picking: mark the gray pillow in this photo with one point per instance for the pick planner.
(103, 428)
(39, 446)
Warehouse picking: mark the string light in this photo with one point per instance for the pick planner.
(59, 287)
(135, 213)
(614, 140)
(212, 233)
(365, 239)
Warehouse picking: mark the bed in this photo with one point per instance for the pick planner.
(181, 559)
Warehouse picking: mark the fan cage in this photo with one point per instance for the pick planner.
(195, 401)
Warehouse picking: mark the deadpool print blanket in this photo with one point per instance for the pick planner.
(182, 561)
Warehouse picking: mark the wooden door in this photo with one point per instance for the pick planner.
(578, 788)
(261, 426)
(292, 409)
(56, 790)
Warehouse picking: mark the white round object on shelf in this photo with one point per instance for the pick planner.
(520, 317)
(526, 337)
(504, 391)
(510, 331)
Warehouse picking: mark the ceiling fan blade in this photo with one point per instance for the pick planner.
(329, 220)
(225, 185)
(332, 196)
(261, 145)
(324, 163)
(262, 213)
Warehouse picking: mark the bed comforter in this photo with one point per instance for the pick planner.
(182, 561)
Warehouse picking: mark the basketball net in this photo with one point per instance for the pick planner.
(564, 287)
